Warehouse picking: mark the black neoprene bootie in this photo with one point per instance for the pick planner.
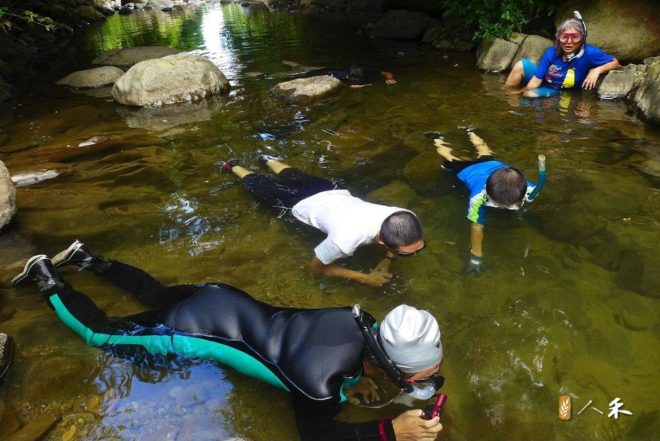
(79, 255)
(39, 270)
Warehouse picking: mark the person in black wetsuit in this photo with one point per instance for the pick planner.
(355, 76)
(318, 355)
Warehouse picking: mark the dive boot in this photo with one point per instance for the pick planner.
(38, 269)
(77, 254)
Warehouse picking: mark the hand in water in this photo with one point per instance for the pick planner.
(366, 391)
(409, 426)
(381, 274)
(474, 264)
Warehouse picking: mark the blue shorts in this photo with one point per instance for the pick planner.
(529, 69)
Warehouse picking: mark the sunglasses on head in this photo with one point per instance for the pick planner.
(572, 37)
(404, 254)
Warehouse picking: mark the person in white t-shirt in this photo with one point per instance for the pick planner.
(348, 221)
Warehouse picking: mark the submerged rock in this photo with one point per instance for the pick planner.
(423, 171)
(31, 178)
(7, 196)
(180, 78)
(37, 428)
(131, 56)
(9, 420)
(92, 78)
(395, 193)
(306, 90)
(637, 271)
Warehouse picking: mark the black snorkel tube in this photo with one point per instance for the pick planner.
(384, 361)
(541, 180)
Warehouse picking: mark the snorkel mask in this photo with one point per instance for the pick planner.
(421, 390)
(574, 56)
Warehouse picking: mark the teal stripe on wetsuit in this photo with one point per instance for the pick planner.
(173, 344)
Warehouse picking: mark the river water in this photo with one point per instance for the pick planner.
(568, 305)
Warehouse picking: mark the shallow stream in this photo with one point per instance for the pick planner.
(568, 305)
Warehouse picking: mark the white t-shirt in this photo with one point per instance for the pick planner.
(348, 221)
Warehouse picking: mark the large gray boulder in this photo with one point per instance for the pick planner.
(627, 30)
(306, 90)
(403, 25)
(180, 78)
(92, 78)
(532, 48)
(497, 55)
(647, 98)
(133, 55)
(7, 196)
(620, 83)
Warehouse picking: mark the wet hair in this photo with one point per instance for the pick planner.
(356, 71)
(506, 186)
(400, 229)
(570, 23)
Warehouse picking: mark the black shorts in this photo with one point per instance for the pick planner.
(458, 166)
(290, 187)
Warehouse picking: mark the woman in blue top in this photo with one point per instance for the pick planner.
(569, 63)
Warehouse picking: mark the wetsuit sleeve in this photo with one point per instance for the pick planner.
(544, 63)
(315, 422)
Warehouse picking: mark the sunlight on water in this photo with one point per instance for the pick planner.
(568, 304)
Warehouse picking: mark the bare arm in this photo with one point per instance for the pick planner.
(476, 239)
(592, 77)
(380, 275)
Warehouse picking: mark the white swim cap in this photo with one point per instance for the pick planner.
(411, 338)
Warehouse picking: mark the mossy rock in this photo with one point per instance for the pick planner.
(396, 193)
(422, 171)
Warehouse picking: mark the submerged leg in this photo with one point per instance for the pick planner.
(480, 145)
(276, 166)
(443, 149)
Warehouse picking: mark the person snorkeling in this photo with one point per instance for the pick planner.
(349, 222)
(321, 356)
(491, 184)
(570, 63)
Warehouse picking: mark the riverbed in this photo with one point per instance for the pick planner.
(568, 303)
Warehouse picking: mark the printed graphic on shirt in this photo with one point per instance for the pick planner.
(569, 81)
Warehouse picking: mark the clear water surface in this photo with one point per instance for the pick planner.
(568, 305)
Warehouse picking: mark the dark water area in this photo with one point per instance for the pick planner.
(568, 305)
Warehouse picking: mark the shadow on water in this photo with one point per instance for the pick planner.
(568, 304)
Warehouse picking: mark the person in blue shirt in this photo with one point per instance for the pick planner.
(570, 63)
(491, 183)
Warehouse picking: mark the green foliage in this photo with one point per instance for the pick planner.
(497, 18)
(9, 16)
